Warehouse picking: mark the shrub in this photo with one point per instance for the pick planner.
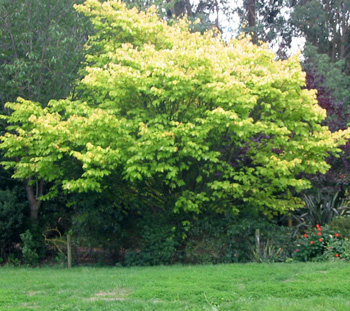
(217, 238)
(272, 243)
(209, 249)
(341, 224)
(321, 243)
(320, 208)
(32, 246)
(12, 218)
(229, 238)
(157, 243)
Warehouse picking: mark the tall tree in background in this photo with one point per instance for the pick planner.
(209, 12)
(325, 24)
(251, 15)
(267, 21)
(332, 85)
(41, 48)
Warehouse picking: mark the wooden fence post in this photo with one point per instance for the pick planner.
(69, 251)
(257, 241)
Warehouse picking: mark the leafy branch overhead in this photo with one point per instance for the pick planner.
(195, 121)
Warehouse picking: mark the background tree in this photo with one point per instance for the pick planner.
(331, 83)
(325, 25)
(267, 21)
(209, 12)
(41, 48)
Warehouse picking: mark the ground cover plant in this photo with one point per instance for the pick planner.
(295, 286)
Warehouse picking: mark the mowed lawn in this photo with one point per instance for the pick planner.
(295, 286)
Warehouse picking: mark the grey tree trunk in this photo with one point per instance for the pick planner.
(34, 192)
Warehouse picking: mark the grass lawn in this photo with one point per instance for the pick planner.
(295, 286)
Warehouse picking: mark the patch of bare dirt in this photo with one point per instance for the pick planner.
(118, 294)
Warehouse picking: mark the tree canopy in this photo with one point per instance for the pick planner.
(185, 119)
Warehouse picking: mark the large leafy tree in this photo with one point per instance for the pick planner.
(187, 121)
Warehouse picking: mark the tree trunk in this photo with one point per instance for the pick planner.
(33, 195)
(251, 17)
(69, 251)
(251, 13)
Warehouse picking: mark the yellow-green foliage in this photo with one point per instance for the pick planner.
(198, 121)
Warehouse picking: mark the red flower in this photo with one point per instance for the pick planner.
(336, 255)
(317, 226)
(319, 233)
(319, 229)
(337, 235)
(320, 240)
(311, 242)
(305, 235)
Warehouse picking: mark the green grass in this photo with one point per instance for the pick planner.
(296, 286)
